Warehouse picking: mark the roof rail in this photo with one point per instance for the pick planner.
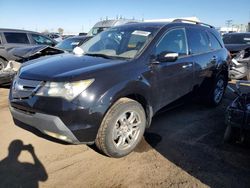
(192, 21)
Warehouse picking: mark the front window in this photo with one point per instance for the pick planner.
(236, 39)
(39, 39)
(173, 41)
(120, 42)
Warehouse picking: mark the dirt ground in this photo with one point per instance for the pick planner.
(183, 148)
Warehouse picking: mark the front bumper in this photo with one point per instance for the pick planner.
(47, 124)
(6, 76)
(58, 118)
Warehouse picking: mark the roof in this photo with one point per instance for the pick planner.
(162, 24)
(15, 30)
(111, 23)
(146, 24)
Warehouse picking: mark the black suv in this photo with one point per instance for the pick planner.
(13, 38)
(109, 90)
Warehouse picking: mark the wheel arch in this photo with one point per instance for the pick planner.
(138, 91)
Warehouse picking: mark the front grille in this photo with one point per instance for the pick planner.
(22, 88)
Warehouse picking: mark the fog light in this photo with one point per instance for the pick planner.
(58, 136)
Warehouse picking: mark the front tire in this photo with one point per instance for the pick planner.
(122, 128)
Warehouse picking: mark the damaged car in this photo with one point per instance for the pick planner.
(238, 44)
(22, 55)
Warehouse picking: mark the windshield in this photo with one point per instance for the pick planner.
(236, 39)
(69, 44)
(120, 42)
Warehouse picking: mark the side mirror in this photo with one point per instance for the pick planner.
(167, 57)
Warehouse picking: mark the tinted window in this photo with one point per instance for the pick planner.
(173, 41)
(20, 38)
(214, 43)
(198, 41)
(39, 39)
(236, 39)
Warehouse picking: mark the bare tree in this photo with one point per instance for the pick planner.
(60, 30)
(46, 31)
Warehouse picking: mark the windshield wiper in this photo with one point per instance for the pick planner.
(99, 55)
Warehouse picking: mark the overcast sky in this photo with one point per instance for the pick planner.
(78, 15)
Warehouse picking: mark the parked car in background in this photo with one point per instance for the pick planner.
(105, 24)
(13, 38)
(238, 44)
(108, 94)
(55, 36)
(70, 43)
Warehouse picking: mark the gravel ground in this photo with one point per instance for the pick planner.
(183, 148)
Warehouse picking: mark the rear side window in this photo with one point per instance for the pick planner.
(20, 38)
(173, 41)
(214, 43)
(198, 41)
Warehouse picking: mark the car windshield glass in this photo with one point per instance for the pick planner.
(120, 42)
(69, 44)
(236, 39)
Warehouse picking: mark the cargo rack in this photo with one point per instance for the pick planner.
(192, 21)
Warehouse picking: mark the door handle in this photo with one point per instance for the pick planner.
(187, 66)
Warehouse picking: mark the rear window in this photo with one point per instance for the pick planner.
(20, 38)
(236, 39)
(198, 41)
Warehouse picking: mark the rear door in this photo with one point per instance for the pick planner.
(14, 40)
(174, 79)
(199, 48)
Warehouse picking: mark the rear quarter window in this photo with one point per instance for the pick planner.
(19, 38)
(214, 42)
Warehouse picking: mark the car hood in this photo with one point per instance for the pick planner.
(236, 47)
(64, 67)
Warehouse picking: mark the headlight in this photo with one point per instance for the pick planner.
(67, 90)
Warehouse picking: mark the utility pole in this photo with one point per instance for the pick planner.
(229, 23)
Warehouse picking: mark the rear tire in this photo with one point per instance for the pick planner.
(122, 128)
(228, 136)
(232, 134)
(218, 89)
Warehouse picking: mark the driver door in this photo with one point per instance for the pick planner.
(174, 79)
